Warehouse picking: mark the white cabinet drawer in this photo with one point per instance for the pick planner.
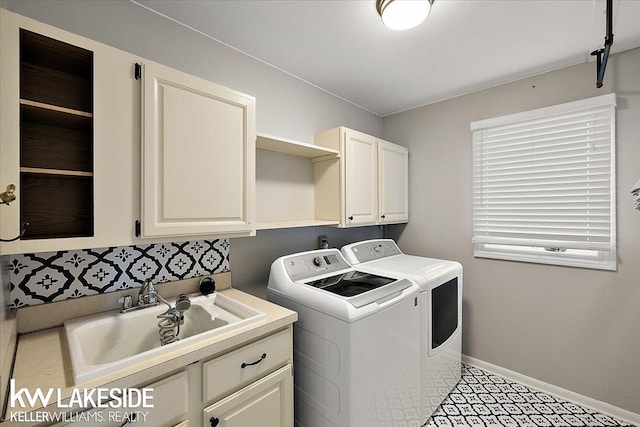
(267, 402)
(243, 366)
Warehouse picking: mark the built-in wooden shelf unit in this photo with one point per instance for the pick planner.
(56, 138)
(285, 182)
(295, 148)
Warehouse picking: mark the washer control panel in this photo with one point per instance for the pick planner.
(371, 250)
(315, 263)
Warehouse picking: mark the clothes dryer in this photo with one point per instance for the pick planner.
(440, 283)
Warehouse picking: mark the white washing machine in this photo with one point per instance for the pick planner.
(440, 284)
(356, 342)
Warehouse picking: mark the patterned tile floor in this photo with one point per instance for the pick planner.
(482, 399)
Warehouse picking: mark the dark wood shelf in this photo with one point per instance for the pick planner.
(56, 108)
(51, 139)
(64, 172)
(56, 206)
(50, 86)
(56, 55)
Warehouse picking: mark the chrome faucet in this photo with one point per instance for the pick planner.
(151, 297)
(147, 297)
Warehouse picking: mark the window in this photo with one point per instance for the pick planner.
(544, 185)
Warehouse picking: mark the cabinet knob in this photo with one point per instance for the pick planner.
(350, 218)
(214, 421)
(9, 195)
(383, 216)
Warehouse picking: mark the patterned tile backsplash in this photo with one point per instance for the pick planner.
(55, 276)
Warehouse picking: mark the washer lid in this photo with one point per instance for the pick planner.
(360, 288)
(351, 284)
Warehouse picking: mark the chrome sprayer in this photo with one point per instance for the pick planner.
(170, 320)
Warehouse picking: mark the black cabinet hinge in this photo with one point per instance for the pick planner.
(137, 73)
(137, 228)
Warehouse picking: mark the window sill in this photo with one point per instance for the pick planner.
(594, 262)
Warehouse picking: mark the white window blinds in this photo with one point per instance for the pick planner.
(545, 178)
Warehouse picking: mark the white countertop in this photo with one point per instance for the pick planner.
(42, 359)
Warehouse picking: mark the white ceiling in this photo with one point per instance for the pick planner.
(342, 46)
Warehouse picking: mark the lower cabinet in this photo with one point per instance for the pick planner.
(267, 402)
(249, 386)
(170, 408)
(170, 402)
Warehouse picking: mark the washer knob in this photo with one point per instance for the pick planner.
(317, 261)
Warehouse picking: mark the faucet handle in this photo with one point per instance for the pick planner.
(151, 291)
(153, 295)
(126, 301)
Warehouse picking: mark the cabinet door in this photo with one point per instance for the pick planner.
(46, 134)
(170, 408)
(115, 130)
(361, 183)
(393, 170)
(267, 402)
(198, 149)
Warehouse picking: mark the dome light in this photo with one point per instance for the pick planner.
(403, 14)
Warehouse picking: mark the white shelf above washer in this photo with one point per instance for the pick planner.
(295, 148)
(294, 224)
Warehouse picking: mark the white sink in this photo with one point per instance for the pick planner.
(105, 342)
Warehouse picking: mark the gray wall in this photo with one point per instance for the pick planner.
(576, 328)
(286, 106)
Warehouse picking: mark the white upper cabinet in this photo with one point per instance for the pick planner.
(393, 183)
(366, 185)
(72, 116)
(70, 113)
(198, 156)
(360, 172)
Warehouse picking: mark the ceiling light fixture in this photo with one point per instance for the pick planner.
(403, 14)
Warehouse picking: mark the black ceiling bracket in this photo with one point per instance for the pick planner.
(602, 55)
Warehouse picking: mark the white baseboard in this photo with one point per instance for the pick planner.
(602, 407)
